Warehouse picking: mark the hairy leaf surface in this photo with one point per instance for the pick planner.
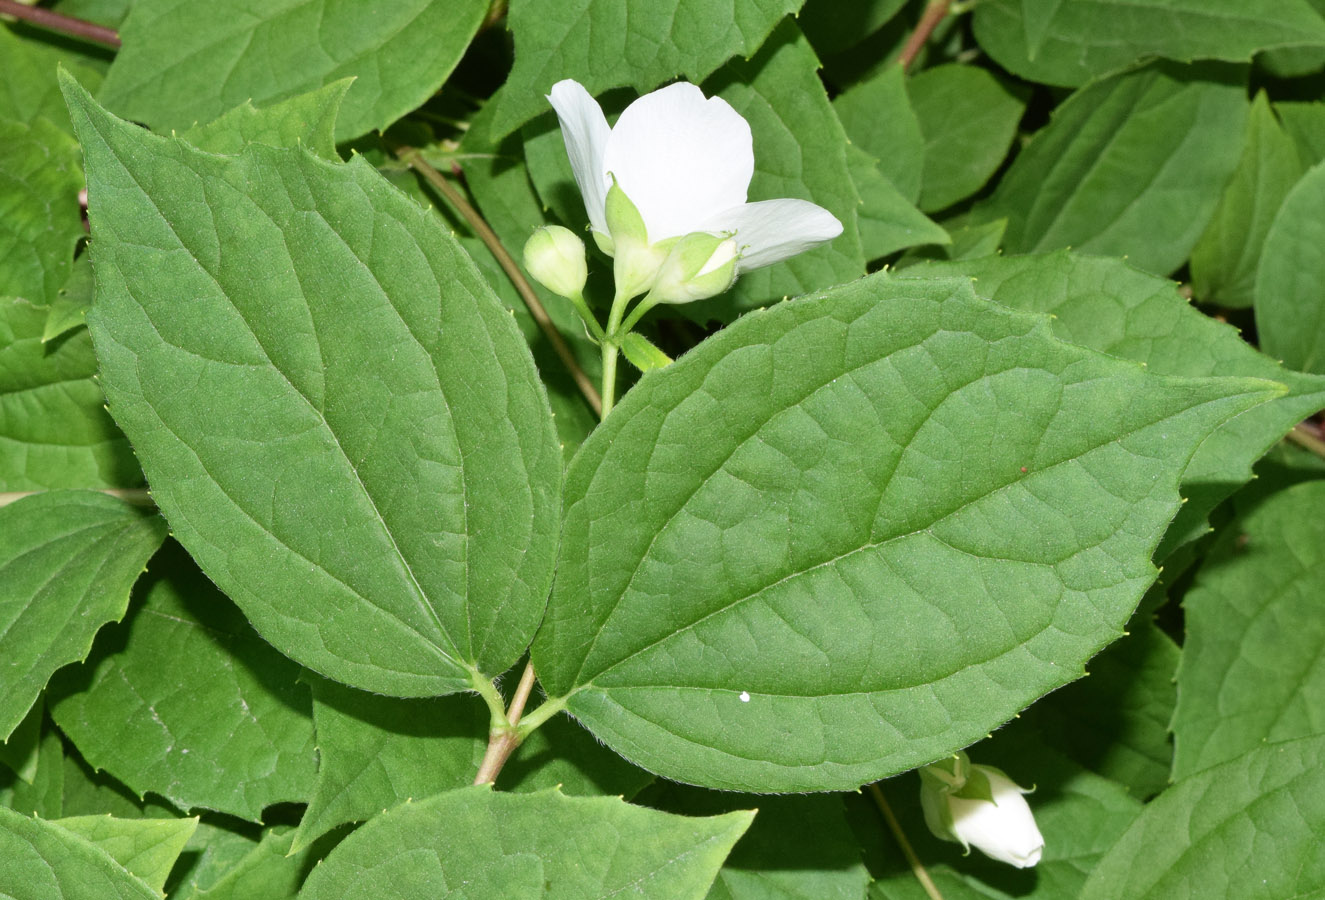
(146, 847)
(39, 860)
(843, 537)
(341, 423)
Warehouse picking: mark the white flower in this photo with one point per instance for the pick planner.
(685, 163)
(979, 806)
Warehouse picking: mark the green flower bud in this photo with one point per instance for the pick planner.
(980, 806)
(554, 257)
(635, 260)
(699, 266)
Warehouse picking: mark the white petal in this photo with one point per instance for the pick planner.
(1005, 829)
(680, 158)
(584, 129)
(770, 231)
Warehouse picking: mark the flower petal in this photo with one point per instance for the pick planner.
(770, 231)
(584, 129)
(680, 158)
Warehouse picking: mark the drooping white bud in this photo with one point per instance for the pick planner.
(554, 257)
(979, 806)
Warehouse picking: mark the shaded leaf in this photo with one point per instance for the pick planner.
(888, 221)
(1306, 123)
(68, 561)
(1290, 283)
(1255, 625)
(29, 90)
(39, 860)
(182, 63)
(1132, 166)
(877, 117)
(723, 627)
(185, 701)
(69, 310)
(39, 181)
(147, 848)
(336, 492)
(43, 794)
(484, 845)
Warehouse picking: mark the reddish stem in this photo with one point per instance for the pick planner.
(929, 20)
(53, 21)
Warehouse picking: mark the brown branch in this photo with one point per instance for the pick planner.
(917, 867)
(415, 160)
(1307, 437)
(929, 20)
(503, 741)
(53, 21)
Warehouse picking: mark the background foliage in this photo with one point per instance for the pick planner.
(289, 470)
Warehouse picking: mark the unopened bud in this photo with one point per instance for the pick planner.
(979, 806)
(554, 257)
(699, 266)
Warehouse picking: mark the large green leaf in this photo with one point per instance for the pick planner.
(185, 701)
(54, 430)
(187, 62)
(800, 151)
(1225, 259)
(308, 119)
(615, 43)
(1249, 829)
(968, 118)
(376, 752)
(1255, 624)
(386, 518)
(1069, 42)
(1108, 306)
(843, 537)
(67, 562)
(1290, 283)
(478, 844)
(146, 847)
(39, 184)
(41, 861)
(1130, 166)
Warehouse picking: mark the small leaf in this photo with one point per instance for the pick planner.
(888, 221)
(841, 479)
(878, 117)
(1069, 42)
(1290, 283)
(182, 63)
(484, 845)
(39, 860)
(147, 848)
(68, 561)
(1225, 259)
(652, 41)
(386, 518)
(184, 700)
(308, 119)
(1245, 830)
(1255, 623)
(29, 90)
(1306, 123)
(642, 354)
(69, 310)
(1132, 166)
(43, 795)
(968, 119)
(271, 869)
(39, 180)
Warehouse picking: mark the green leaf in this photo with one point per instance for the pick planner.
(29, 90)
(43, 794)
(435, 466)
(1133, 166)
(216, 718)
(797, 847)
(1069, 42)
(378, 752)
(1106, 305)
(308, 119)
(68, 561)
(69, 309)
(642, 354)
(39, 860)
(87, 792)
(1290, 283)
(1250, 670)
(270, 869)
(54, 430)
(800, 151)
(833, 26)
(39, 181)
(147, 848)
(218, 850)
(888, 221)
(1248, 829)
(1306, 123)
(878, 117)
(19, 751)
(840, 478)
(1116, 721)
(1225, 259)
(185, 63)
(651, 42)
(968, 118)
(483, 845)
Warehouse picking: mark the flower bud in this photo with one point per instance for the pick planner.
(979, 806)
(699, 266)
(554, 257)
(635, 260)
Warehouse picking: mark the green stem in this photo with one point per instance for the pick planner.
(637, 313)
(536, 718)
(917, 867)
(611, 346)
(590, 320)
